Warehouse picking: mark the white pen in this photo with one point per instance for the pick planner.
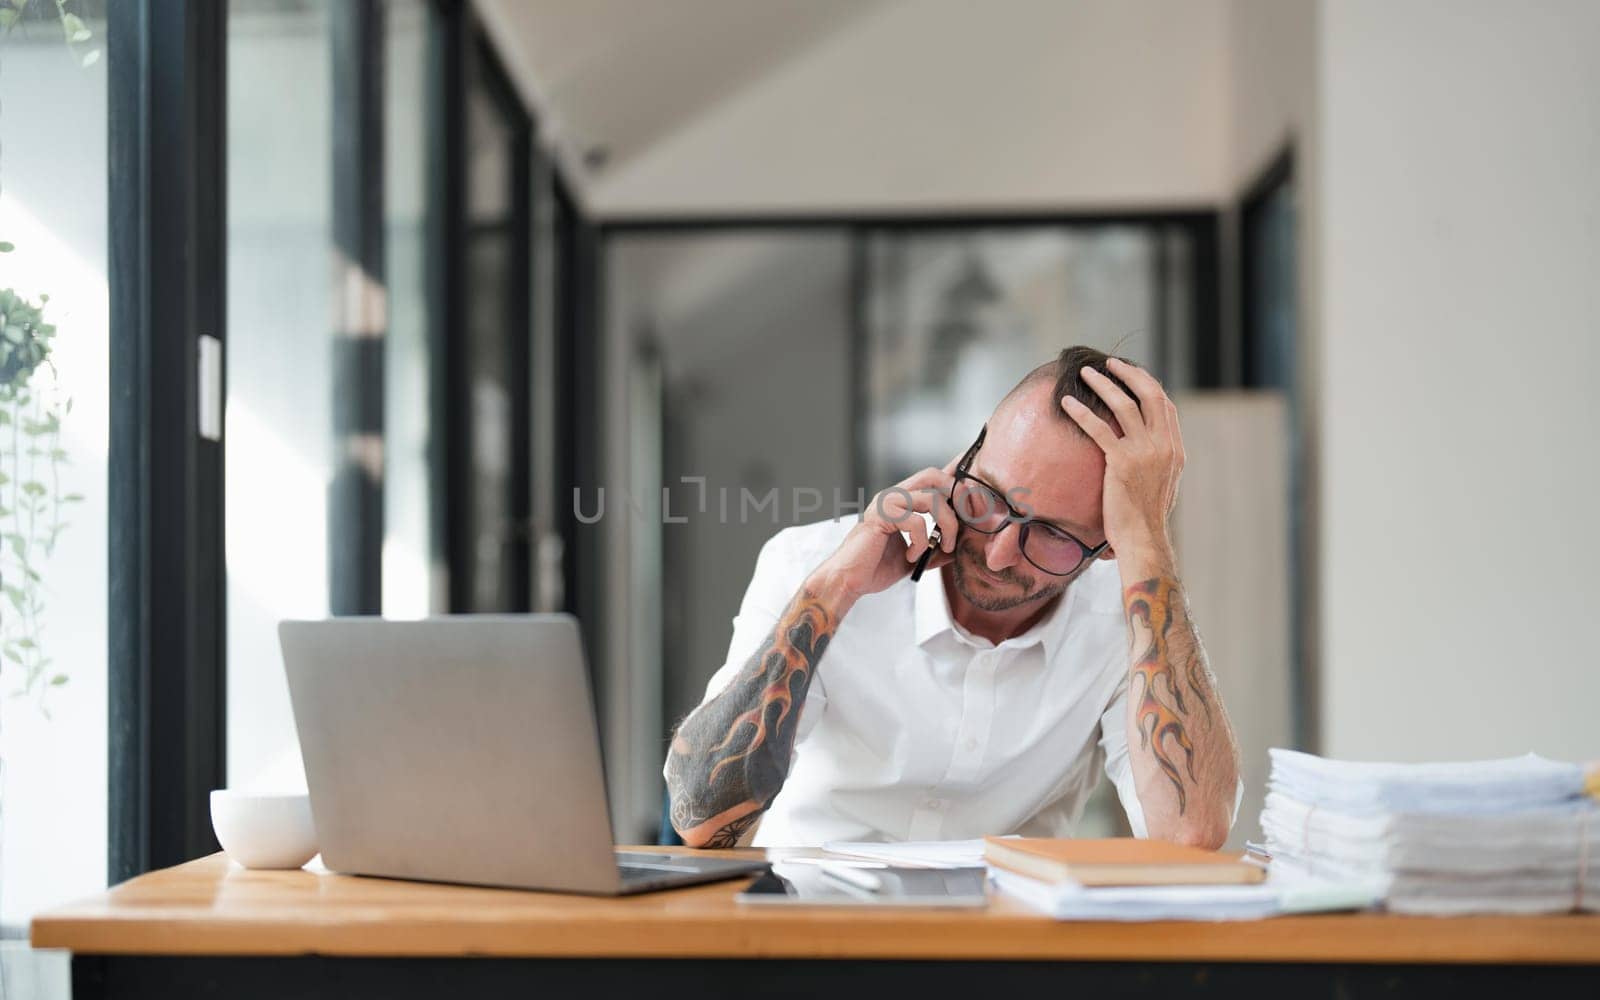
(851, 875)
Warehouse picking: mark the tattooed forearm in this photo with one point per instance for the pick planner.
(731, 755)
(1171, 686)
(729, 835)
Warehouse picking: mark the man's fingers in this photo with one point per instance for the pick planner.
(918, 529)
(930, 478)
(945, 514)
(939, 560)
(935, 502)
(1177, 433)
(1121, 403)
(1098, 430)
(1153, 399)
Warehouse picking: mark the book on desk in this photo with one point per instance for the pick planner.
(1118, 861)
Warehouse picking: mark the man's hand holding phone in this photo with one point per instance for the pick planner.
(875, 555)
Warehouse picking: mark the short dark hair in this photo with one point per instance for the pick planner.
(1064, 372)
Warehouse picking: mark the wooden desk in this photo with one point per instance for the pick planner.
(303, 933)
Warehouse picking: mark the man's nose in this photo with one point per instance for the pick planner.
(1004, 548)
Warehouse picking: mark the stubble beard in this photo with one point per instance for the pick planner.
(981, 588)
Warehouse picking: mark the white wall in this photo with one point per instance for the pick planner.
(1272, 70)
(946, 104)
(1460, 251)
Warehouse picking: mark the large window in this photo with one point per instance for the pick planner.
(53, 441)
(491, 561)
(186, 382)
(279, 425)
(328, 417)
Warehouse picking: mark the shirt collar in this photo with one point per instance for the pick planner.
(931, 610)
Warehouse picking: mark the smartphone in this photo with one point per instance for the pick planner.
(934, 538)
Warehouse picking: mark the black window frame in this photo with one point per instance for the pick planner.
(166, 610)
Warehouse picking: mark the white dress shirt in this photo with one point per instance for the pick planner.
(914, 729)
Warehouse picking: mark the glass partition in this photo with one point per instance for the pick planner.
(279, 429)
(412, 575)
(954, 317)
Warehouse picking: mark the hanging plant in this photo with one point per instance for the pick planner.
(31, 455)
(31, 504)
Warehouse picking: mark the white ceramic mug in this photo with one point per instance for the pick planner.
(264, 831)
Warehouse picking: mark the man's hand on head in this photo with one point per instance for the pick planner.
(1143, 465)
(1185, 761)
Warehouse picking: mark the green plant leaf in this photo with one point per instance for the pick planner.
(8, 17)
(58, 680)
(69, 498)
(14, 656)
(75, 29)
(90, 58)
(34, 488)
(26, 643)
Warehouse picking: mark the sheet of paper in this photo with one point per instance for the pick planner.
(913, 853)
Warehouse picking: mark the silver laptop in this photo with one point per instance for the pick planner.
(463, 749)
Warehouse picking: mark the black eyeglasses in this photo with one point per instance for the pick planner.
(984, 508)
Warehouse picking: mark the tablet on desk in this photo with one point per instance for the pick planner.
(820, 885)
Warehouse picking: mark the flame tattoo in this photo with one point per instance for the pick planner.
(731, 755)
(784, 663)
(1161, 634)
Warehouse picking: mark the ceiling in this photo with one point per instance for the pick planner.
(611, 77)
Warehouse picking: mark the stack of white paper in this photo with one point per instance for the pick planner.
(1503, 836)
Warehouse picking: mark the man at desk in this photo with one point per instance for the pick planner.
(1049, 637)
